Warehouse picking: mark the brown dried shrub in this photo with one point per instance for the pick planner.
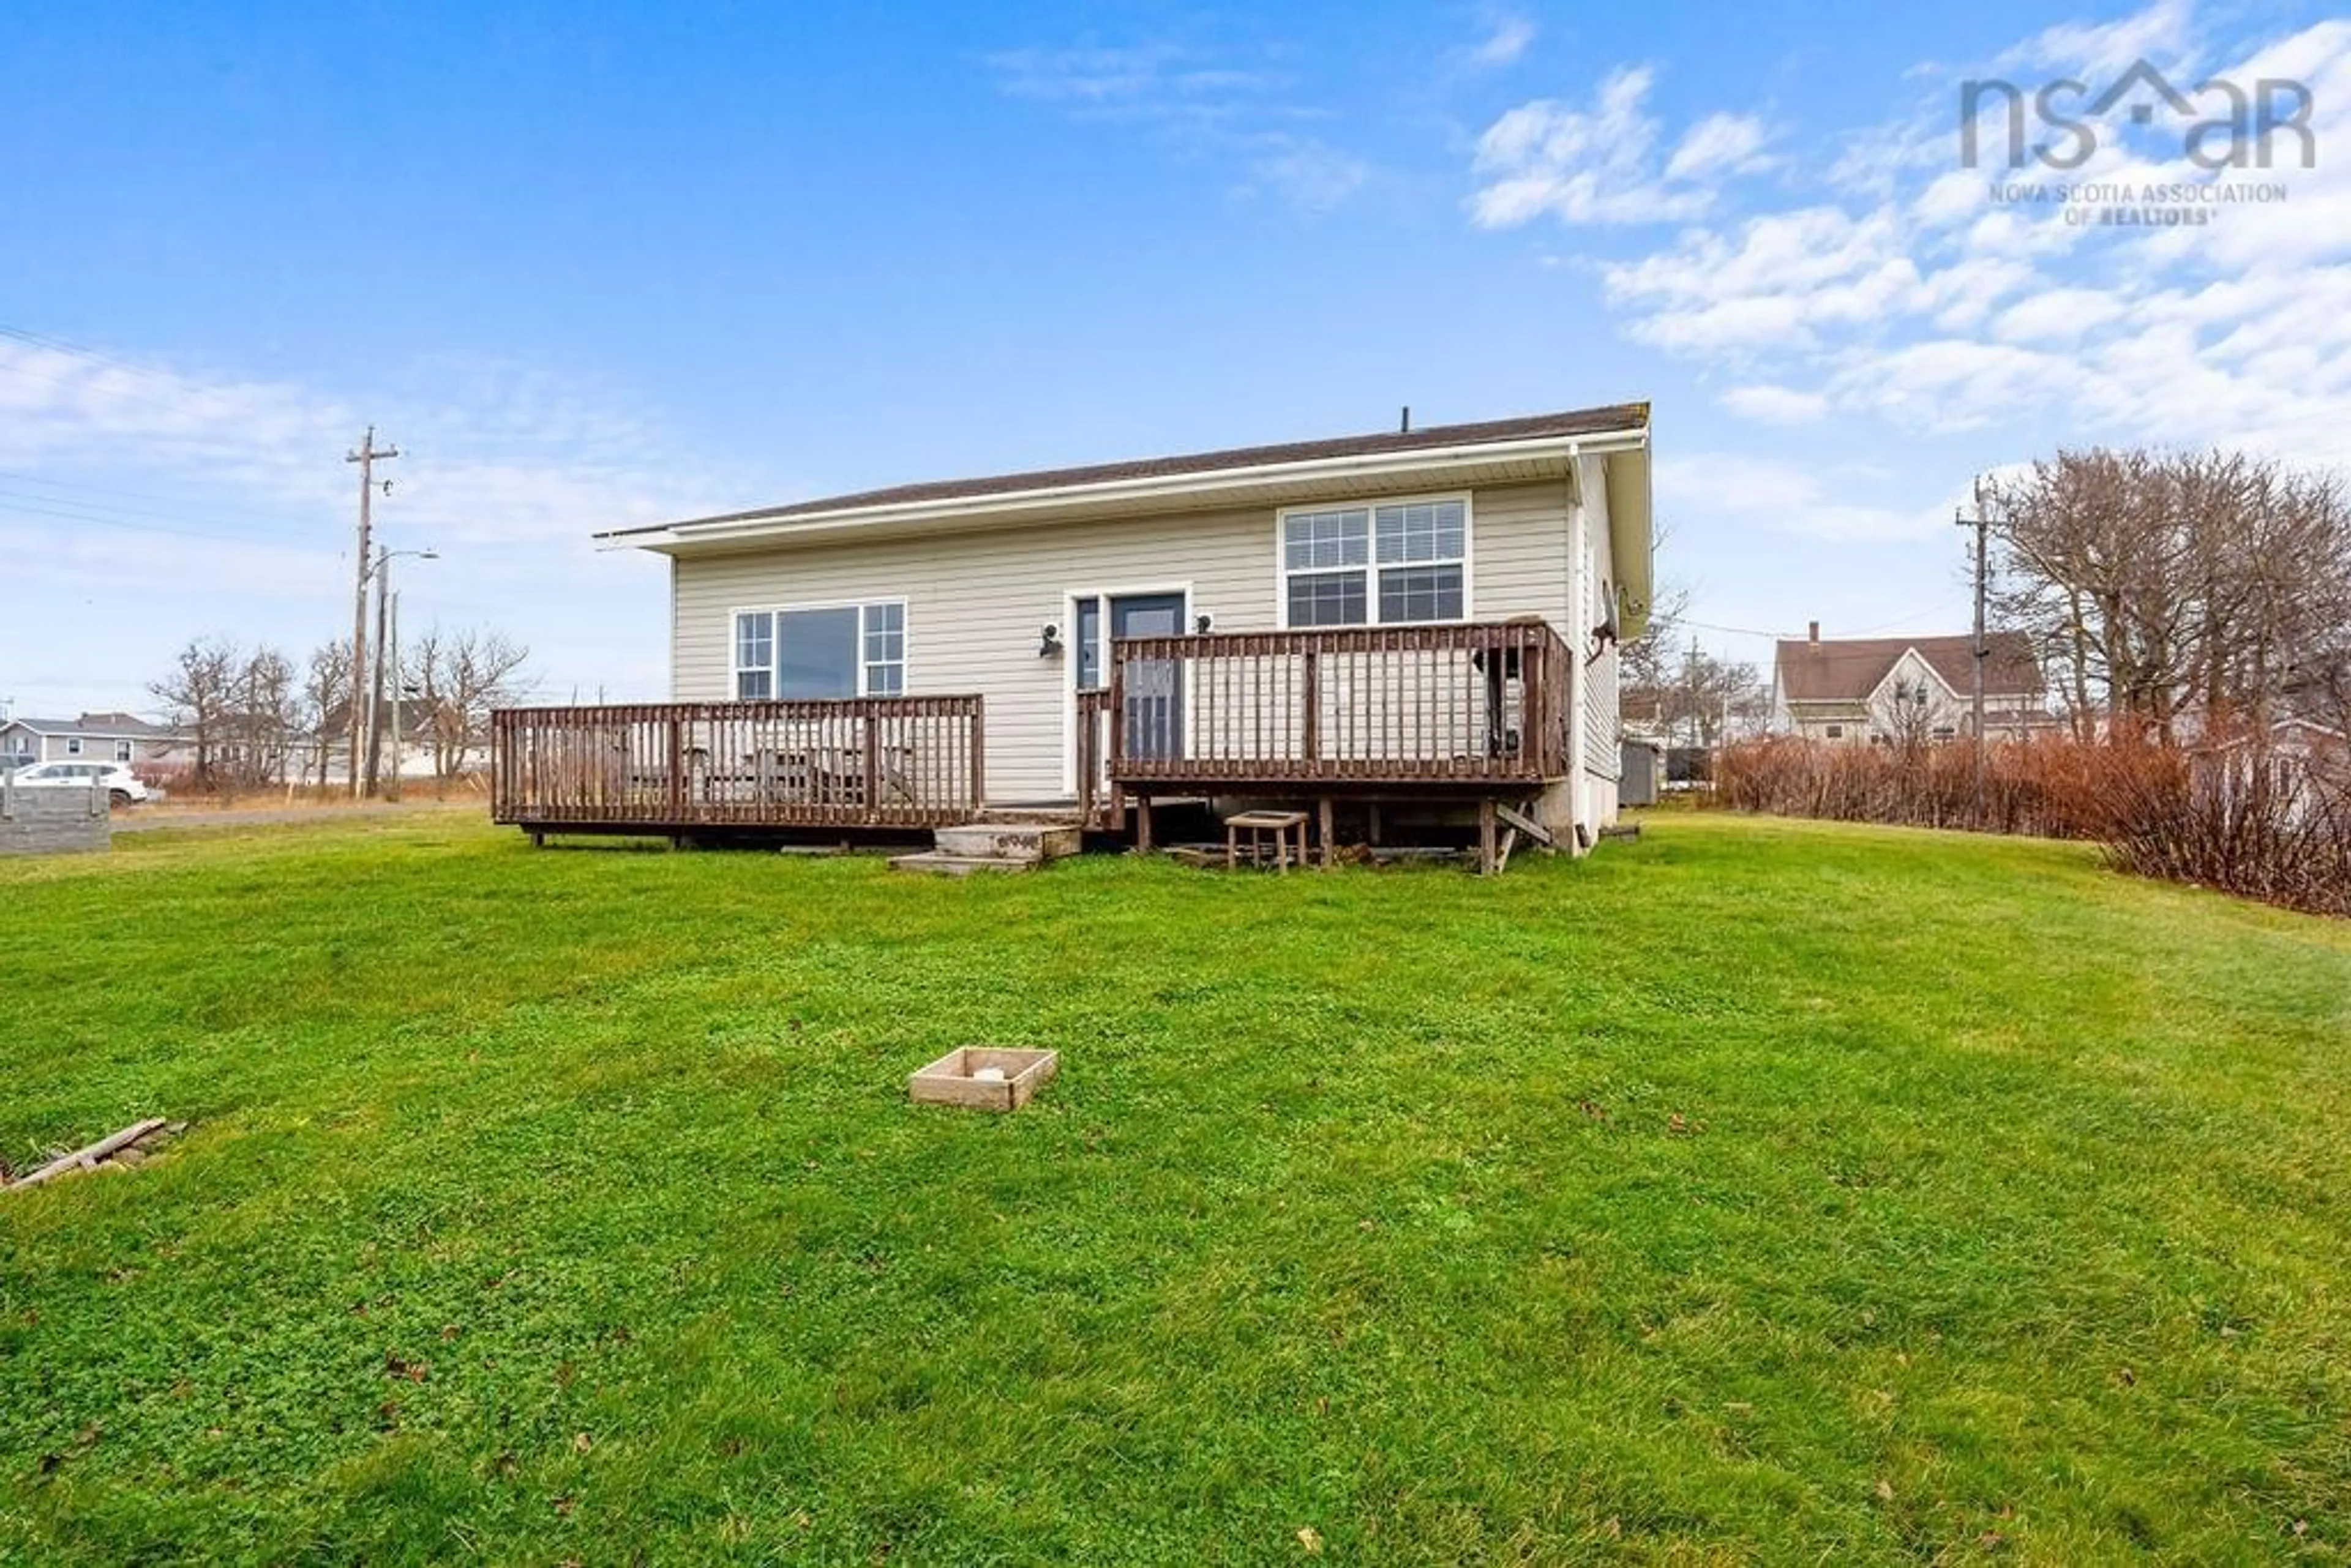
(2238, 816)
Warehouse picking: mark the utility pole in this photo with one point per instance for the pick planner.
(387, 654)
(393, 647)
(1982, 525)
(375, 683)
(367, 457)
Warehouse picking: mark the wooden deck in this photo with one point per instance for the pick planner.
(863, 762)
(1452, 707)
(1468, 716)
(1471, 714)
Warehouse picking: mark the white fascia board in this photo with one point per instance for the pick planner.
(1632, 541)
(1012, 503)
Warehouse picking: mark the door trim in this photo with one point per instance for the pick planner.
(1069, 675)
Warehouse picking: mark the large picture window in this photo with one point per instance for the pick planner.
(820, 651)
(1381, 565)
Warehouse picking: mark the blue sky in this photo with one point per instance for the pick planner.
(596, 265)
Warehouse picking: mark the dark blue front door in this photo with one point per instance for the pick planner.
(1153, 716)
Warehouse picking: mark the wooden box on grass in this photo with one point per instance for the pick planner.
(953, 1079)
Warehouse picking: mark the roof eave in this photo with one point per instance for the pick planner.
(1013, 506)
(1632, 541)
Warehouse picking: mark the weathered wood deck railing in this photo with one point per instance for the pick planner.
(877, 762)
(1453, 704)
(1098, 801)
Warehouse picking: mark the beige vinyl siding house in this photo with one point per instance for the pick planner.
(977, 604)
(1426, 616)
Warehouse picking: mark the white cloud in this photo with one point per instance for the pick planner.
(1308, 173)
(1115, 76)
(1506, 40)
(1776, 282)
(1201, 103)
(1897, 285)
(1596, 163)
(1948, 384)
(2162, 33)
(495, 454)
(1767, 405)
(1786, 497)
(194, 502)
(2057, 316)
(1720, 143)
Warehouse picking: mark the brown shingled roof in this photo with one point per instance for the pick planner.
(1847, 669)
(1573, 422)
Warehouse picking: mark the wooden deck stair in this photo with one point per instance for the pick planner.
(992, 845)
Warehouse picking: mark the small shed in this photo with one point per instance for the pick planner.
(1643, 765)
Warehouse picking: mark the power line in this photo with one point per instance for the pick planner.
(182, 387)
(1759, 632)
(1734, 630)
(115, 392)
(103, 512)
(98, 522)
(77, 485)
(59, 345)
(1934, 609)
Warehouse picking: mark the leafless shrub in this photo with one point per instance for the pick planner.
(2233, 814)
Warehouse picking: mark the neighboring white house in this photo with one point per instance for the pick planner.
(94, 737)
(2305, 763)
(1011, 587)
(1893, 689)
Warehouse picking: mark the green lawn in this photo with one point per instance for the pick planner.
(1762, 1191)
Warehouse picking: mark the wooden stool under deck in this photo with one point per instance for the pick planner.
(1258, 824)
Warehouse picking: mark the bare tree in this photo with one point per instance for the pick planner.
(459, 678)
(267, 722)
(2158, 585)
(1909, 712)
(1707, 698)
(325, 689)
(1646, 665)
(199, 696)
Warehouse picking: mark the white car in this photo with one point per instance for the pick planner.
(121, 786)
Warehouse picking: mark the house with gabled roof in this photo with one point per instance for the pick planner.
(94, 737)
(1891, 690)
(1422, 619)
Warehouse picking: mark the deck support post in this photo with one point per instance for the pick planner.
(1143, 823)
(538, 841)
(1486, 855)
(1322, 825)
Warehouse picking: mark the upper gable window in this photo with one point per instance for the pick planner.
(1387, 564)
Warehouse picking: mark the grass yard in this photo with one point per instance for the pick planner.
(1762, 1192)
